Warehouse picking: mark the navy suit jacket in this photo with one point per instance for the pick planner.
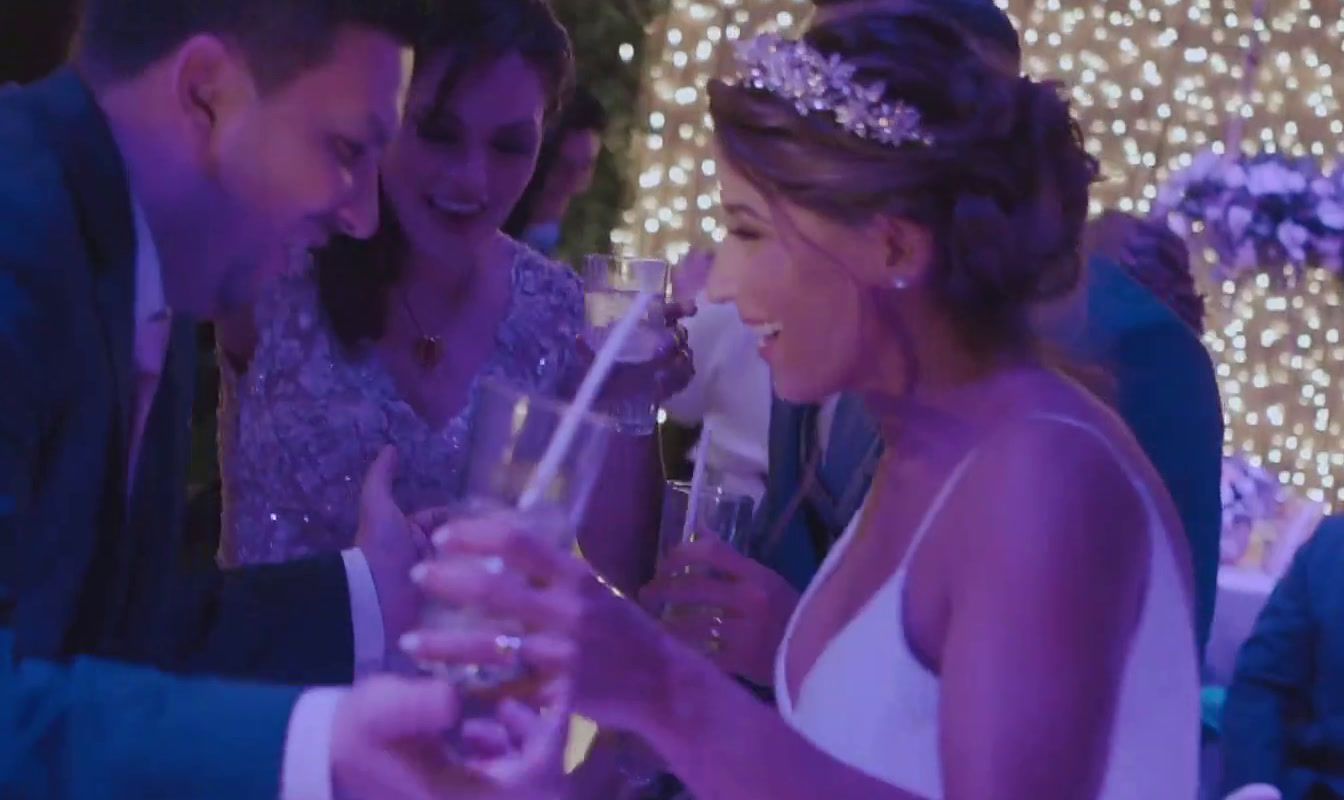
(1164, 388)
(100, 731)
(86, 566)
(1283, 721)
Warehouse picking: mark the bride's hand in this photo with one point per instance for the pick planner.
(731, 607)
(576, 628)
(387, 740)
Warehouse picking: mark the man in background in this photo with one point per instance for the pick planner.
(565, 170)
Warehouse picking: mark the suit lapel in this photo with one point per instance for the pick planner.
(96, 177)
(158, 500)
(165, 448)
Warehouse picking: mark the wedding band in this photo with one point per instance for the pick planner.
(508, 645)
(715, 643)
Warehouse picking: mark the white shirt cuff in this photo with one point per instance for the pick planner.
(1256, 791)
(366, 616)
(306, 771)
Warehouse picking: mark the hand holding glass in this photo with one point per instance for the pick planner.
(510, 431)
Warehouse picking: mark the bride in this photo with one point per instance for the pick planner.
(1010, 614)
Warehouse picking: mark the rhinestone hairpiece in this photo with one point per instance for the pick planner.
(815, 84)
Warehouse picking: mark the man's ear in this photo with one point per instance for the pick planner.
(211, 83)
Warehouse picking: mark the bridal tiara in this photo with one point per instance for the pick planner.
(794, 71)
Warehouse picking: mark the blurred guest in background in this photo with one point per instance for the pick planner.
(1283, 723)
(1138, 318)
(730, 393)
(565, 170)
(1153, 256)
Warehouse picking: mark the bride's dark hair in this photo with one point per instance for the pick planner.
(1003, 188)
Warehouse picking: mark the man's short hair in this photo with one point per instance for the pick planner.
(119, 39)
(582, 112)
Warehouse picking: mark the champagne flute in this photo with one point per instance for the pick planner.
(510, 431)
(611, 284)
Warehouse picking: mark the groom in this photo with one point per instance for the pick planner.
(186, 140)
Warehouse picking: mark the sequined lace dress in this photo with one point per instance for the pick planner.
(298, 430)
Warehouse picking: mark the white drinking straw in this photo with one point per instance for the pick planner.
(698, 478)
(563, 437)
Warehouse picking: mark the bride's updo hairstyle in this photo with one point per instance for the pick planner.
(1001, 184)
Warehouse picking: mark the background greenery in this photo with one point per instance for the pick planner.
(599, 28)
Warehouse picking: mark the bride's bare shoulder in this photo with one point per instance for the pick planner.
(1054, 448)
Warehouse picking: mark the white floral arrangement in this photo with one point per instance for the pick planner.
(1259, 213)
(1251, 496)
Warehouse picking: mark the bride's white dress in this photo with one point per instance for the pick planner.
(870, 703)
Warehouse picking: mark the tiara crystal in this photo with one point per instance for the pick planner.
(816, 84)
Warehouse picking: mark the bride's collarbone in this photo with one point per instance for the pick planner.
(877, 550)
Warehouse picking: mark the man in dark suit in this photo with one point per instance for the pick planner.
(100, 730)
(1283, 722)
(185, 141)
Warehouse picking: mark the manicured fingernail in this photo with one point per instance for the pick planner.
(419, 573)
(442, 536)
(411, 642)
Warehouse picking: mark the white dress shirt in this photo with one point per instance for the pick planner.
(305, 774)
(730, 394)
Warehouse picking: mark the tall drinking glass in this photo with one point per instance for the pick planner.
(720, 513)
(611, 284)
(510, 431)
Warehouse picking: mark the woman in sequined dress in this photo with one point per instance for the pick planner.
(385, 339)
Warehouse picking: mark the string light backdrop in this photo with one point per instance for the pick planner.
(1154, 82)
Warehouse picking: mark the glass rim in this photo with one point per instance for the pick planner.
(718, 491)
(502, 387)
(623, 257)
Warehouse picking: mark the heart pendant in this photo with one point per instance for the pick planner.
(428, 351)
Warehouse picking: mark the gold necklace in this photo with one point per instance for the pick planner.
(427, 349)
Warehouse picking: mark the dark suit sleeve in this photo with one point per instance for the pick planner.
(18, 422)
(285, 623)
(1269, 695)
(101, 730)
(1167, 392)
